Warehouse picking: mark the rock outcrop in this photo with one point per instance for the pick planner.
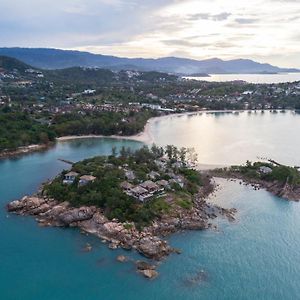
(148, 242)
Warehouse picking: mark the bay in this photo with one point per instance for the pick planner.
(252, 78)
(255, 257)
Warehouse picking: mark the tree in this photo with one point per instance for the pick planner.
(192, 156)
(114, 151)
(182, 154)
(169, 151)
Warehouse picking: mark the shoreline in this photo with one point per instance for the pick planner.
(149, 242)
(284, 191)
(25, 150)
(144, 136)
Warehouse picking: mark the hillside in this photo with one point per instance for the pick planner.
(10, 64)
(59, 59)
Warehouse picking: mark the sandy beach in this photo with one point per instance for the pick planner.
(144, 136)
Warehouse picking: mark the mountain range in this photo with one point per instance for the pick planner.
(45, 58)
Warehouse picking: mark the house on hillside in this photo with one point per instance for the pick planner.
(70, 177)
(265, 170)
(162, 183)
(127, 187)
(153, 175)
(140, 193)
(129, 175)
(150, 186)
(85, 179)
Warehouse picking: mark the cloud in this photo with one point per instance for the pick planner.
(267, 30)
(246, 20)
(207, 16)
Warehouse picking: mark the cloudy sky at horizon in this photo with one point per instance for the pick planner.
(263, 30)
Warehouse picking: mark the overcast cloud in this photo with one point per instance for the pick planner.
(264, 30)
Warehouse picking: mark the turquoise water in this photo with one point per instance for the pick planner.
(256, 257)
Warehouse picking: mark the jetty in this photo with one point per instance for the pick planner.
(66, 161)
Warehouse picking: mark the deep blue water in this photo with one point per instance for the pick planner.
(256, 257)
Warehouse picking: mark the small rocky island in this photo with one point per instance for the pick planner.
(129, 200)
(280, 180)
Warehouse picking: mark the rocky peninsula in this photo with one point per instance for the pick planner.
(280, 180)
(133, 214)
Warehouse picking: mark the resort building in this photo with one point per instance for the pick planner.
(85, 179)
(162, 183)
(265, 170)
(153, 175)
(126, 186)
(140, 193)
(150, 186)
(70, 177)
(129, 175)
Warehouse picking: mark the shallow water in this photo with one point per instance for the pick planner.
(256, 257)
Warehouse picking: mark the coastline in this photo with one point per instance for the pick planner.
(150, 241)
(25, 150)
(144, 136)
(284, 191)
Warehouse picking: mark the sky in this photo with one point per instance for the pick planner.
(263, 30)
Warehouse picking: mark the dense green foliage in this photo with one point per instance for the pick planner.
(106, 123)
(22, 129)
(11, 64)
(19, 129)
(105, 192)
(79, 75)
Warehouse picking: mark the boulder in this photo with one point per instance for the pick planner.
(150, 274)
(143, 265)
(87, 248)
(76, 215)
(153, 247)
(15, 206)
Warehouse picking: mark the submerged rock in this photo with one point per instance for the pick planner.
(122, 258)
(143, 265)
(199, 277)
(146, 269)
(150, 274)
(87, 248)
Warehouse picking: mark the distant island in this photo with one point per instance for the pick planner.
(130, 200)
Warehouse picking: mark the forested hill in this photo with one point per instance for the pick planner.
(10, 64)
